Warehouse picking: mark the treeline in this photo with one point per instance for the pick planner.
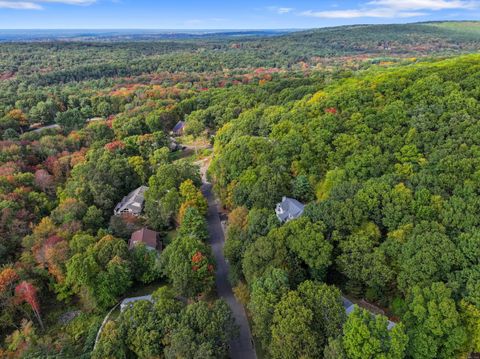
(60, 62)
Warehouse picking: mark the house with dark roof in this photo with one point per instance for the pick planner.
(289, 209)
(146, 236)
(132, 203)
(179, 128)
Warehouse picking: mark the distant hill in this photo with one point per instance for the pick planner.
(48, 57)
(419, 38)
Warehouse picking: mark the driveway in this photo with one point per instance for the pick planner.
(241, 347)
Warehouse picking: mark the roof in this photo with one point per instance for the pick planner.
(179, 126)
(289, 208)
(130, 301)
(133, 202)
(145, 236)
(349, 308)
(50, 127)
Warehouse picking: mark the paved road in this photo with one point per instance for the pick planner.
(242, 347)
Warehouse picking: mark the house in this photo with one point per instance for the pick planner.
(132, 203)
(128, 302)
(289, 209)
(179, 128)
(349, 307)
(146, 236)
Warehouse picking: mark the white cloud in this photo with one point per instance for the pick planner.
(284, 10)
(19, 5)
(280, 10)
(37, 4)
(433, 5)
(394, 9)
(353, 13)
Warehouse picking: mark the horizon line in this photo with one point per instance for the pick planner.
(227, 29)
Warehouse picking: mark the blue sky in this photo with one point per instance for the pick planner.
(213, 14)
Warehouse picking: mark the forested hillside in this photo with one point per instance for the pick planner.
(388, 164)
(375, 134)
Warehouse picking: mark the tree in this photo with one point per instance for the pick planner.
(362, 261)
(145, 264)
(306, 240)
(325, 302)
(27, 292)
(471, 319)
(111, 344)
(101, 273)
(433, 323)
(269, 252)
(194, 128)
(292, 330)
(193, 224)
(140, 166)
(428, 256)
(70, 120)
(159, 157)
(192, 197)
(302, 190)
(8, 281)
(203, 331)
(144, 330)
(267, 291)
(366, 336)
(187, 264)
(162, 200)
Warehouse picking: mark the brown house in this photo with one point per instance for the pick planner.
(146, 236)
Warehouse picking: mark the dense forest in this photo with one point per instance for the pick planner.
(376, 133)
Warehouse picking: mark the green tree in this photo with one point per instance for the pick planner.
(293, 335)
(328, 312)
(187, 264)
(202, 331)
(70, 120)
(266, 292)
(367, 336)
(145, 264)
(193, 224)
(111, 344)
(144, 330)
(433, 323)
(302, 190)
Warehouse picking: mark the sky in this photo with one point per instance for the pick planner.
(226, 14)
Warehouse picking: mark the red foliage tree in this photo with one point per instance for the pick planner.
(27, 292)
(115, 145)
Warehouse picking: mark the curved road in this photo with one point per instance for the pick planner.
(243, 346)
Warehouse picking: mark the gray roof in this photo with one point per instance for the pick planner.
(130, 301)
(289, 209)
(51, 127)
(133, 202)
